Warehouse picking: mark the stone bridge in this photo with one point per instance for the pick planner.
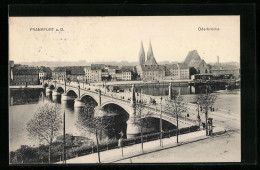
(126, 100)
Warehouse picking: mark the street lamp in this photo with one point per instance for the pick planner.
(64, 153)
(198, 116)
(161, 143)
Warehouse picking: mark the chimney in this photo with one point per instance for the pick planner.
(218, 59)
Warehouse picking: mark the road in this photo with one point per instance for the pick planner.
(223, 148)
(219, 148)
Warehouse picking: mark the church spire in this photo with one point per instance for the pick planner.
(141, 55)
(150, 58)
(150, 52)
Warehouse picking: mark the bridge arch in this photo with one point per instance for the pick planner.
(60, 89)
(126, 108)
(72, 93)
(86, 96)
(52, 86)
(171, 120)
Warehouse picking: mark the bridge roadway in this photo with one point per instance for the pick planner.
(103, 97)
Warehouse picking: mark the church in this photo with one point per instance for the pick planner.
(148, 69)
(193, 60)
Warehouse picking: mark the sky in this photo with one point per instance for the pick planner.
(97, 39)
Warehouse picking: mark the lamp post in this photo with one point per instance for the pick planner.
(64, 143)
(206, 112)
(198, 116)
(105, 88)
(161, 143)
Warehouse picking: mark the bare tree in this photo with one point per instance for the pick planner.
(94, 124)
(46, 124)
(205, 101)
(175, 107)
(142, 119)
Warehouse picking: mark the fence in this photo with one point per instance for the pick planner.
(132, 141)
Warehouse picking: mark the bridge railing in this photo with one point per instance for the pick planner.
(103, 94)
(181, 118)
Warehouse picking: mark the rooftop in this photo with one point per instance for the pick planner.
(152, 67)
(25, 71)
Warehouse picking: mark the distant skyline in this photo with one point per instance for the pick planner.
(97, 39)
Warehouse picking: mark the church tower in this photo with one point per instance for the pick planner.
(150, 58)
(141, 55)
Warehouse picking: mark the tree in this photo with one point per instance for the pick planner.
(46, 124)
(25, 154)
(175, 107)
(142, 119)
(205, 101)
(90, 121)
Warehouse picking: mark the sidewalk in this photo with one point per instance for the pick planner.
(114, 155)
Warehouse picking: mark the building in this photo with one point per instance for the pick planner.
(118, 76)
(225, 68)
(76, 73)
(149, 70)
(152, 72)
(95, 72)
(105, 75)
(172, 72)
(88, 73)
(235, 72)
(112, 71)
(176, 71)
(60, 73)
(45, 73)
(128, 72)
(184, 71)
(193, 61)
(25, 76)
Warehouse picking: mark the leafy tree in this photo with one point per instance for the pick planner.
(45, 125)
(175, 107)
(90, 121)
(25, 154)
(205, 101)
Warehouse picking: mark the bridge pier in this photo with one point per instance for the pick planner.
(65, 97)
(48, 91)
(132, 130)
(78, 103)
(55, 95)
